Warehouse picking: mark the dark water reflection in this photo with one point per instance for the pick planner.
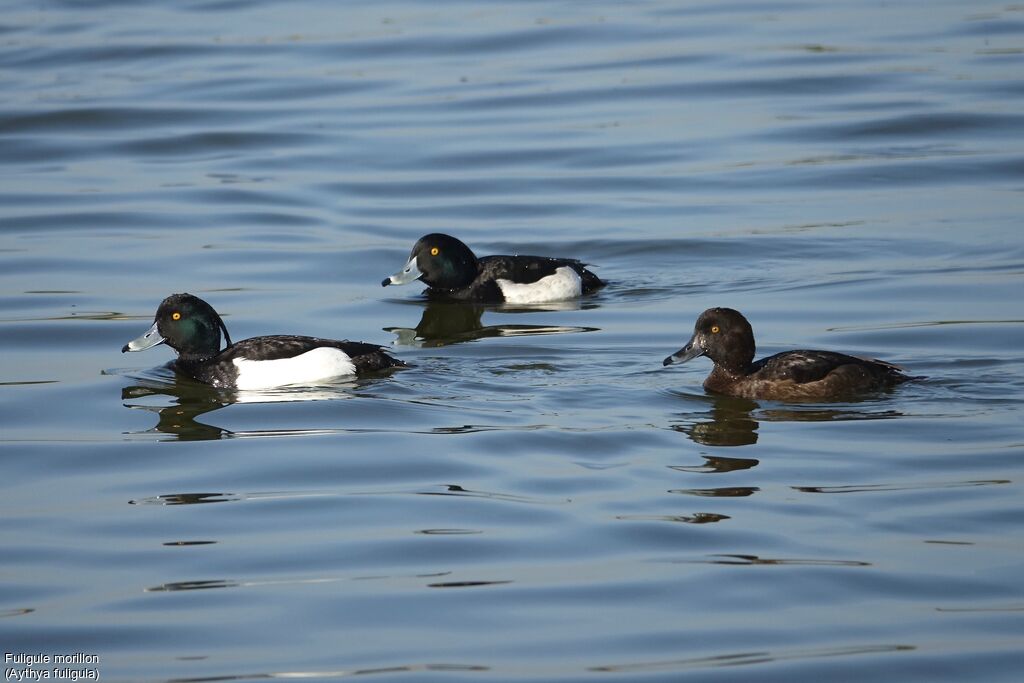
(190, 400)
(720, 492)
(729, 422)
(749, 560)
(717, 465)
(752, 658)
(179, 419)
(187, 499)
(735, 421)
(697, 518)
(444, 322)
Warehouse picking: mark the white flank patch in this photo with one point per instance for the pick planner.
(317, 364)
(563, 284)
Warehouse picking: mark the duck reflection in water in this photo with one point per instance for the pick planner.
(192, 399)
(446, 322)
(179, 419)
(735, 421)
(730, 422)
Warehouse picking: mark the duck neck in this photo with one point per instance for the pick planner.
(734, 360)
(722, 377)
(191, 363)
(194, 357)
(730, 371)
(459, 273)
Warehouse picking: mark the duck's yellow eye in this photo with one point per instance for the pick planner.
(714, 329)
(175, 316)
(434, 251)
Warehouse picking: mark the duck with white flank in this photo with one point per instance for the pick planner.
(191, 327)
(451, 270)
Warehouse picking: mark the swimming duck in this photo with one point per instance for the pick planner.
(725, 336)
(192, 327)
(451, 270)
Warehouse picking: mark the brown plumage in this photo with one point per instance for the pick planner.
(725, 336)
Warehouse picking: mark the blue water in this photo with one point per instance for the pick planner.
(536, 498)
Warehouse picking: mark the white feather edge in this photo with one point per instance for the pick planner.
(564, 283)
(316, 364)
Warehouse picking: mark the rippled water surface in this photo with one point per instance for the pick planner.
(536, 497)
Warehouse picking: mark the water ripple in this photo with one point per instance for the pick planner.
(753, 658)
